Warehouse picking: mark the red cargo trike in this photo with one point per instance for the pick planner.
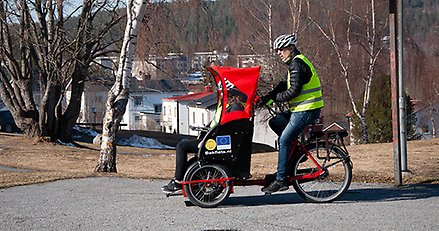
(320, 169)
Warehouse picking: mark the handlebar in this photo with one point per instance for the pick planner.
(268, 106)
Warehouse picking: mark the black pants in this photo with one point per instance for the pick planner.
(184, 147)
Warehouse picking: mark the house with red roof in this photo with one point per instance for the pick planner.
(181, 112)
(201, 112)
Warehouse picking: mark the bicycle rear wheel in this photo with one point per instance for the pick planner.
(335, 179)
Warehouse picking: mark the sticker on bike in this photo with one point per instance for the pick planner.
(223, 142)
(210, 144)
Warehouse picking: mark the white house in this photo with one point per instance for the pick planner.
(93, 102)
(175, 112)
(144, 106)
(107, 64)
(201, 112)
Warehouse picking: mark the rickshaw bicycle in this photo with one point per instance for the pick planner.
(320, 169)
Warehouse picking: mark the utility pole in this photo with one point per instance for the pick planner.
(395, 93)
(398, 97)
(401, 92)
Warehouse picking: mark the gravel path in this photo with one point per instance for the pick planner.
(129, 204)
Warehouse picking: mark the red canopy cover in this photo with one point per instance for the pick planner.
(236, 88)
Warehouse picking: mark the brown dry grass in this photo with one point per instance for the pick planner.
(23, 161)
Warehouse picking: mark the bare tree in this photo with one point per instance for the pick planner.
(259, 25)
(255, 37)
(119, 93)
(361, 33)
(40, 48)
(299, 10)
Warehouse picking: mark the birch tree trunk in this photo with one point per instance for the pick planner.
(119, 93)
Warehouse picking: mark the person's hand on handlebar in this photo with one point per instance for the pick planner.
(265, 100)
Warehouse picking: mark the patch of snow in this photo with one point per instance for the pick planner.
(86, 131)
(66, 144)
(143, 142)
(133, 141)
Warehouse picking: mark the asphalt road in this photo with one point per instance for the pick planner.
(129, 204)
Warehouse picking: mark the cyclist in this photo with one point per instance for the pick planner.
(301, 89)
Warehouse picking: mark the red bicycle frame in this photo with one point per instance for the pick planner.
(296, 144)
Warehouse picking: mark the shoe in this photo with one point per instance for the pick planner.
(173, 181)
(275, 186)
(172, 187)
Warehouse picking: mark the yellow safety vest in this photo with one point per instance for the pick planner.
(311, 95)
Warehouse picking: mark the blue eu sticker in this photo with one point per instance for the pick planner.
(223, 142)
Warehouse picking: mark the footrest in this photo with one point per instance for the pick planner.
(174, 194)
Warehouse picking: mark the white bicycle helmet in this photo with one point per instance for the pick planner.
(285, 40)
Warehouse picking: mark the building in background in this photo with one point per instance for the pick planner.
(144, 106)
(201, 112)
(250, 60)
(427, 121)
(175, 112)
(177, 65)
(200, 60)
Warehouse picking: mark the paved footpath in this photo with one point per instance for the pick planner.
(129, 204)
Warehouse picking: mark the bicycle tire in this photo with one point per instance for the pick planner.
(328, 186)
(207, 195)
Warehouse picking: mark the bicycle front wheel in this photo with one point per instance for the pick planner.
(208, 189)
(332, 183)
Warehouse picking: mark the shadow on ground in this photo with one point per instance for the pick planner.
(406, 192)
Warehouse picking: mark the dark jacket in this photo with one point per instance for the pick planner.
(300, 74)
